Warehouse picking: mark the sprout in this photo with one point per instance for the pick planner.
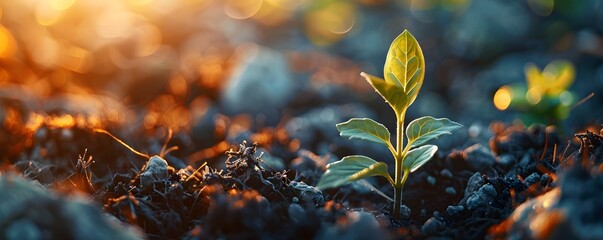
(403, 72)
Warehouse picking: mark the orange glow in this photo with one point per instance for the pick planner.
(76, 59)
(545, 223)
(64, 121)
(294, 145)
(242, 9)
(178, 85)
(7, 43)
(149, 40)
(502, 98)
(114, 24)
(46, 14)
(45, 51)
(208, 153)
(61, 5)
(139, 2)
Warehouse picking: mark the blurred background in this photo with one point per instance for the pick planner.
(218, 72)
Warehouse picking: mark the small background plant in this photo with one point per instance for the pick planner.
(545, 99)
(404, 72)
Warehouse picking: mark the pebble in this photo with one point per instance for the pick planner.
(479, 157)
(532, 179)
(357, 225)
(260, 82)
(155, 169)
(483, 197)
(505, 160)
(455, 210)
(446, 173)
(431, 226)
(431, 180)
(308, 194)
(405, 212)
(544, 179)
(23, 229)
(451, 190)
(297, 214)
(474, 183)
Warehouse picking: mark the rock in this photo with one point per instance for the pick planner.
(473, 184)
(297, 214)
(261, 82)
(450, 190)
(505, 160)
(155, 169)
(532, 179)
(23, 229)
(357, 225)
(489, 190)
(483, 197)
(446, 173)
(455, 210)
(431, 180)
(405, 212)
(526, 160)
(307, 193)
(28, 211)
(479, 157)
(431, 226)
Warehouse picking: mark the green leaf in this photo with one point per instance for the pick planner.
(419, 156)
(405, 66)
(393, 95)
(424, 129)
(351, 168)
(364, 128)
(404, 72)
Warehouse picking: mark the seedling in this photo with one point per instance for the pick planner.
(545, 99)
(403, 72)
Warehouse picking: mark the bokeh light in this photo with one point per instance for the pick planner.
(502, 98)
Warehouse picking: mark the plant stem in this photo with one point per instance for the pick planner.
(397, 202)
(399, 162)
(398, 194)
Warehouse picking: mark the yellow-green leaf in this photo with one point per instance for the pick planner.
(349, 169)
(405, 66)
(393, 95)
(419, 156)
(364, 128)
(424, 129)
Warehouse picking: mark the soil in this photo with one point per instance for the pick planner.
(468, 193)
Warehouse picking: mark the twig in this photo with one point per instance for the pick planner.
(583, 100)
(98, 130)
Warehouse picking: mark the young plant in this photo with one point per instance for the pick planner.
(545, 99)
(403, 72)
